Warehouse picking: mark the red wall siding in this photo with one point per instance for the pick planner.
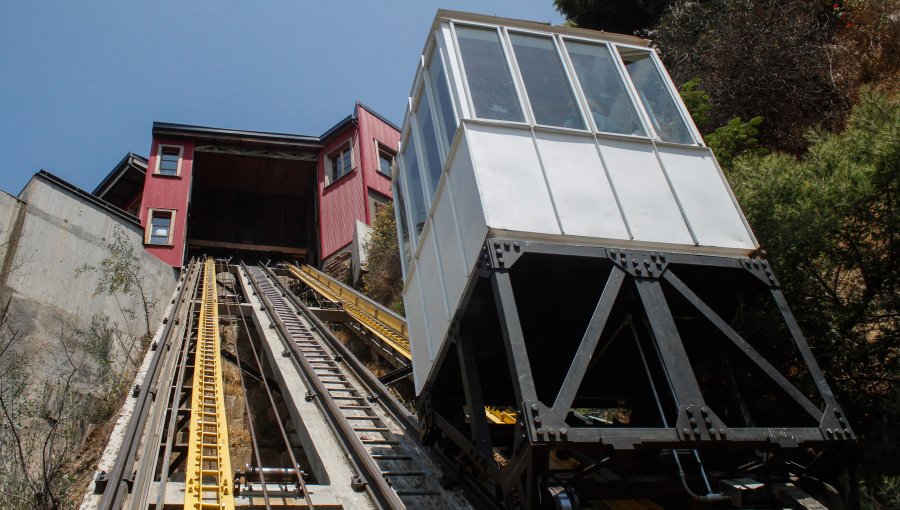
(371, 128)
(342, 202)
(164, 192)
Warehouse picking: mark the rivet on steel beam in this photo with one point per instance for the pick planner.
(537, 419)
(540, 430)
(551, 430)
(563, 431)
(534, 407)
(686, 431)
(712, 431)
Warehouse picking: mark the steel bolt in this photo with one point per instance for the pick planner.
(712, 431)
(534, 407)
(537, 419)
(686, 431)
(563, 431)
(540, 430)
(551, 430)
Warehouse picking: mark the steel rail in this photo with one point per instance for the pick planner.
(117, 486)
(295, 466)
(253, 441)
(208, 478)
(176, 397)
(397, 410)
(377, 486)
(380, 392)
(389, 335)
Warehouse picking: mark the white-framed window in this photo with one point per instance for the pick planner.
(652, 89)
(547, 87)
(385, 158)
(160, 226)
(487, 73)
(340, 163)
(610, 106)
(168, 160)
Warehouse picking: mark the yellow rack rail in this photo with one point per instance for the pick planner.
(385, 325)
(209, 483)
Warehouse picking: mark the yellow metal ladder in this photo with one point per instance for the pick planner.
(208, 477)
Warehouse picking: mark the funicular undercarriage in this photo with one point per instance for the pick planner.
(634, 375)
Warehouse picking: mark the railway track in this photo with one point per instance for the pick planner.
(376, 430)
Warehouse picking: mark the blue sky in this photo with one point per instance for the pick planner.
(83, 81)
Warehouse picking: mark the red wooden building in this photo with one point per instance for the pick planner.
(210, 190)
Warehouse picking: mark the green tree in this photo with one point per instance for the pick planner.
(619, 16)
(772, 58)
(830, 223)
(383, 280)
(120, 273)
(729, 141)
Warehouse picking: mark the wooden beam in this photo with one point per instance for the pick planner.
(200, 243)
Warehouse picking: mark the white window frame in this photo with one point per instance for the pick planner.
(680, 107)
(159, 155)
(151, 212)
(626, 84)
(505, 49)
(438, 114)
(379, 147)
(520, 80)
(330, 158)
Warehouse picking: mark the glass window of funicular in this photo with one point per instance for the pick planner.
(654, 95)
(611, 108)
(549, 92)
(428, 142)
(489, 79)
(410, 174)
(440, 91)
(402, 222)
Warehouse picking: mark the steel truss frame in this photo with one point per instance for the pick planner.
(542, 426)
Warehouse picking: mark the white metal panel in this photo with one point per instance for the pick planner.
(510, 179)
(649, 205)
(418, 330)
(453, 265)
(428, 266)
(584, 199)
(712, 213)
(470, 217)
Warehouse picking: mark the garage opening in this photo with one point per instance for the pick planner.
(252, 204)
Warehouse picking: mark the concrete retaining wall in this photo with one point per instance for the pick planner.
(62, 231)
